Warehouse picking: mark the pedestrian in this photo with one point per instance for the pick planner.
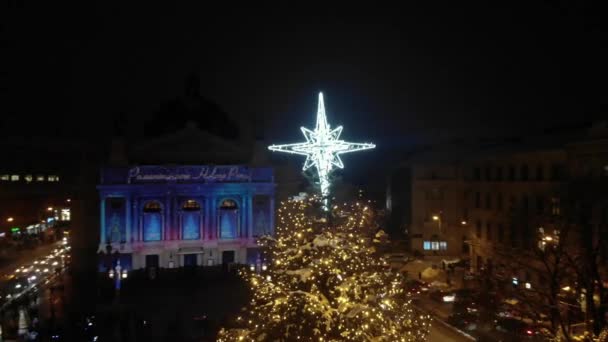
(420, 275)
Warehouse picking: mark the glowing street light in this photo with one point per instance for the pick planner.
(10, 219)
(322, 148)
(49, 209)
(438, 219)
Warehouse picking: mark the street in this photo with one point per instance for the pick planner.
(29, 291)
(441, 333)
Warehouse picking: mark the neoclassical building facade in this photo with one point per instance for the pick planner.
(188, 215)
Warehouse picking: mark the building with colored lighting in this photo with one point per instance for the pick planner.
(189, 215)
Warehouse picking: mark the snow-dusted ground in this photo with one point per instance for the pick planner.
(440, 333)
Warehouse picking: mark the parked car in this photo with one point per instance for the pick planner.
(443, 296)
(512, 329)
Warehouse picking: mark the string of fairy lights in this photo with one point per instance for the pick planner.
(325, 282)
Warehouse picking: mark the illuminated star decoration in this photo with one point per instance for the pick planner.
(322, 148)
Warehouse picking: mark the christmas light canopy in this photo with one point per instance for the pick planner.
(322, 148)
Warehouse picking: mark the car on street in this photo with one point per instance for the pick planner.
(414, 286)
(464, 321)
(442, 296)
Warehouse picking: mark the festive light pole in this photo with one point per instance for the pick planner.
(322, 148)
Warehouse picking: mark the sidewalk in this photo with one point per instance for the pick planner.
(416, 268)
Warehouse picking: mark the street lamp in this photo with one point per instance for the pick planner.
(438, 219)
(10, 219)
(117, 273)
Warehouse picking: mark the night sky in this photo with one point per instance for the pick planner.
(394, 76)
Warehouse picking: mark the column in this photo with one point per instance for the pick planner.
(135, 220)
(167, 219)
(271, 216)
(129, 220)
(103, 237)
(213, 218)
(207, 219)
(249, 216)
(243, 221)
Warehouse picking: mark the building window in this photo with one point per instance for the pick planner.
(555, 206)
(499, 203)
(152, 207)
(190, 219)
(435, 245)
(488, 231)
(261, 216)
(499, 173)
(65, 214)
(478, 227)
(4, 177)
(39, 178)
(477, 200)
(53, 178)
(152, 221)
(513, 236)
(477, 173)
(434, 194)
(524, 172)
(539, 173)
(426, 245)
(526, 237)
(540, 205)
(191, 205)
(488, 173)
(556, 172)
(511, 173)
(228, 219)
(28, 178)
(488, 201)
(501, 233)
(525, 204)
(14, 178)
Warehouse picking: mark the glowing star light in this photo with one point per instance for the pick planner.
(322, 148)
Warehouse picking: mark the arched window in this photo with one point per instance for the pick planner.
(228, 214)
(191, 205)
(261, 215)
(190, 220)
(115, 219)
(152, 221)
(152, 207)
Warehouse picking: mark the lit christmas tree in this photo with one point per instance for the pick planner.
(325, 282)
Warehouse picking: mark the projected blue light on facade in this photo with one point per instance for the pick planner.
(191, 226)
(152, 227)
